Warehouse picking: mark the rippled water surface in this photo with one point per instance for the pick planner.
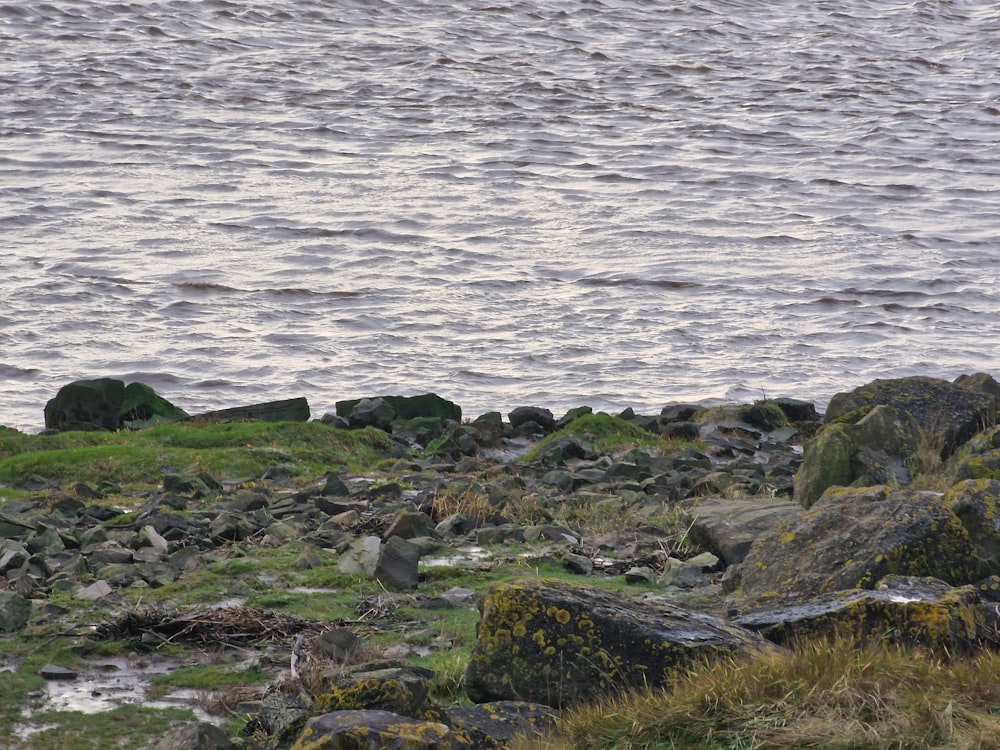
(580, 201)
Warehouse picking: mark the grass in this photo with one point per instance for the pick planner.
(206, 677)
(611, 435)
(237, 450)
(118, 728)
(821, 694)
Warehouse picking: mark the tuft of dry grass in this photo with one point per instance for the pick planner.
(820, 694)
(470, 502)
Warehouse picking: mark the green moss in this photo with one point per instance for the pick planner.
(233, 450)
(607, 434)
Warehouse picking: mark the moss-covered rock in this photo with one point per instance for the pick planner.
(875, 450)
(976, 502)
(853, 537)
(559, 644)
(920, 611)
(953, 412)
(408, 407)
(106, 404)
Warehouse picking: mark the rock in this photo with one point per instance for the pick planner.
(372, 412)
(872, 451)
(408, 407)
(399, 690)
(494, 725)
(336, 644)
(105, 404)
(976, 502)
(579, 564)
(920, 611)
(199, 736)
(285, 410)
(950, 411)
(186, 484)
(729, 527)
(96, 590)
(335, 487)
(980, 457)
(640, 574)
(366, 729)
(852, 538)
(397, 564)
(361, 557)
(410, 524)
(53, 672)
(523, 415)
(14, 611)
(559, 644)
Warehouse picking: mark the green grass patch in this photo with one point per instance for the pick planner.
(126, 727)
(822, 694)
(206, 677)
(237, 450)
(608, 434)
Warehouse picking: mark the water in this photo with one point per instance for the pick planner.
(605, 202)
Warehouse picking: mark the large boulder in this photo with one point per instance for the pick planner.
(873, 451)
(949, 412)
(14, 611)
(556, 643)
(976, 502)
(921, 611)
(852, 538)
(106, 404)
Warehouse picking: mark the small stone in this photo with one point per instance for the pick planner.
(52, 672)
(640, 575)
(96, 590)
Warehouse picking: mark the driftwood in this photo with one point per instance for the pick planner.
(288, 410)
(231, 626)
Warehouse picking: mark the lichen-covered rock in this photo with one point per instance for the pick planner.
(368, 729)
(853, 537)
(872, 451)
(493, 726)
(980, 457)
(921, 611)
(199, 736)
(976, 502)
(398, 691)
(953, 412)
(556, 643)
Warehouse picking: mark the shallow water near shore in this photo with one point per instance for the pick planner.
(592, 202)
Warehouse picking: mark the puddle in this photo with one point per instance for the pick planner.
(464, 556)
(105, 686)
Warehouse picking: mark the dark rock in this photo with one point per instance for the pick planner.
(493, 726)
(976, 502)
(678, 413)
(409, 407)
(852, 538)
(523, 415)
(285, 410)
(949, 411)
(199, 736)
(796, 410)
(578, 564)
(559, 644)
(572, 415)
(372, 412)
(920, 611)
(14, 611)
(336, 644)
(105, 404)
(397, 564)
(186, 484)
(54, 672)
(409, 524)
(680, 430)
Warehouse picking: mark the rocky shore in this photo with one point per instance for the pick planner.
(396, 575)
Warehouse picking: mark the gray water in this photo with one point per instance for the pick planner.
(605, 202)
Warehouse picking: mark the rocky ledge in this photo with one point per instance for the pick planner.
(610, 551)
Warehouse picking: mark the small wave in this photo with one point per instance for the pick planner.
(205, 286)
(13, 372)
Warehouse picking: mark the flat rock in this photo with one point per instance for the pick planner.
(729, 527)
